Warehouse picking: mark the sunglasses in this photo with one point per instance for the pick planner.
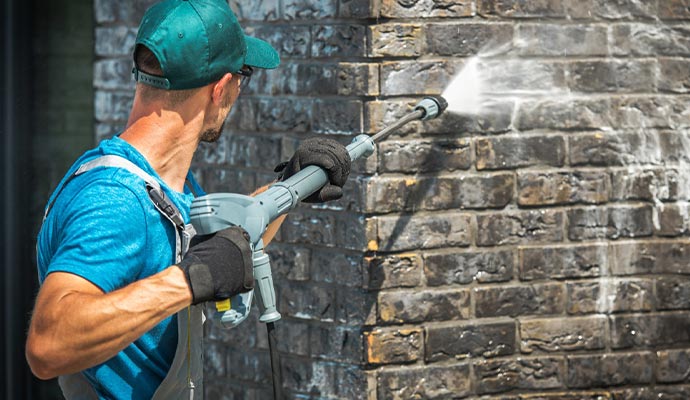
(245, 76)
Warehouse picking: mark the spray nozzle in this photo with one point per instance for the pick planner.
(432, 106)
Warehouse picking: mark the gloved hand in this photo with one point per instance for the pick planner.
(327, 154)
(219, 266)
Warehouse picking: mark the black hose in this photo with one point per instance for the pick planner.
(275, 362)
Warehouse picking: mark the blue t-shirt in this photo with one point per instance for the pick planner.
(103, 227)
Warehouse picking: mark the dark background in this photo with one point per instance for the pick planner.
(47, 121)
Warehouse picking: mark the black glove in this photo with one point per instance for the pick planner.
(327, 154)
(219, 266)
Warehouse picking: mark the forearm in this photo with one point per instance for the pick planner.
(273, 227)
(80, 330)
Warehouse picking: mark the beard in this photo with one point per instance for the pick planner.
(212, 135)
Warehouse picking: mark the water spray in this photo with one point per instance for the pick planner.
(214, 212)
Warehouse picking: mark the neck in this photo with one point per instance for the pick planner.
(166, 139)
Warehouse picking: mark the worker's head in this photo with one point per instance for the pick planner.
(195, 50)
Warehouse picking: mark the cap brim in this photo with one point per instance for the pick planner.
(260, 54)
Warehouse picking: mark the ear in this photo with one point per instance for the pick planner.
(219, 88)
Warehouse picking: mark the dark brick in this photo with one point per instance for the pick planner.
(423, 231)
(612, 222)
(558, 334)
(561, 40)
(609, 370)
(309, 228)
(674, 9)
(335, 267)
(674, 219)
(565, 114)
(612, 76)
(113, 74)
(283, 115)
(558, 262)
(262, 10)
(393, 346)
(464, 39)
(352, 382)
(672, 292)
(355, 307)
(495, 376)
(674, 74)
(404, 40)
(653, 257)
(648, 184)
(425, 155)
(469, 340)
(355, 9)
(429, 382)
(614, 149)
(659, 40)
(306, 301)
(522, 227)
(332, 342)
(418, 77)
(357, 79)
(251, 151)
(467, 266)
(410, 306)
(339, 41)
(115, 41)
(303, 375)
(337, 117)
(637, 112)
(112, 106)
(519, 300)
(291, 41)
(292, 262)
(309, 10)
(522, 9)
(672, 365)
(523, 151)
(650, 330)
(391, 271)
(295, 336)
(426, 9)
(214, 357)
(609, 296)
(551, 188)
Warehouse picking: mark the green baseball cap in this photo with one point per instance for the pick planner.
(196, 42)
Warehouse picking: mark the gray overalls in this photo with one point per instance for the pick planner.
(184, 380)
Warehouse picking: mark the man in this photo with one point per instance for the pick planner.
(118, 314)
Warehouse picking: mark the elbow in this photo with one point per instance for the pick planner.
(41, 362)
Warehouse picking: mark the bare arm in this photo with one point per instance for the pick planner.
(273, 227)
(76, 326)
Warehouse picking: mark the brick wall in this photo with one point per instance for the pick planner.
(536, 252)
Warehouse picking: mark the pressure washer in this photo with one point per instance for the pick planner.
(218, 211)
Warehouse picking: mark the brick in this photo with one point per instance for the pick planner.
(648, 184)
(426, 9)
(673, 219)
(609, 296)
(115, 41)
(469, 340)
(355, 9)
(250, 151)
(283, 115)
(611, 222)
(357, 79)
(653, 257)
(338, 41)
(650, 330)
(308, 376)
(561, 40)
(416, 77)
(508, 152)
(309, 228)
(337, 117)
(433, 382)
(520, 76)
(614, 149)
(295, 337)
(608, 10)
(495, 376)
(534, 299)
(354, 232)
(262, 10)
(309, 10)
(291, 41)
(674, 75)
(425, 155)
(570, 395)
(423, 231)
(674, 9)
(292, 262)
(650, 112)
(401, 40)
(612, 76)
(445, 192)
(113, 74)
(332, 342)
(520, 227)
(393, 346)
(672, 365)
(351, 382)
(446, 39)
(559, 262)
(329, 266)
(563, 114)
(467, 266)
(410, 306)
(215, 359)
(609, 370)
(672, 292)
(659, 40)
(522, 9)
(112, 106)
(306, 301)
(391, 271)
(558, 334)
(553, 188)
(355, 307)
(129, 13)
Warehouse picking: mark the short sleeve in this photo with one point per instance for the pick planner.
(102, 235)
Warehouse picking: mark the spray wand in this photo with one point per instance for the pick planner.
(214, 212)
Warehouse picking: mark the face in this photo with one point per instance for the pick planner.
(212, 134)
